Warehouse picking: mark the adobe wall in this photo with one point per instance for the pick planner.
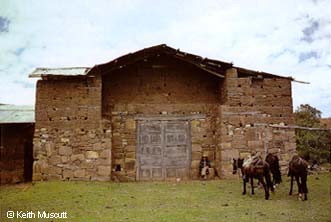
(248, 105)
(159, 87)
(71, 142)
(16, 152)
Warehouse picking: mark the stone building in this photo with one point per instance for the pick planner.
(16, 135)
(152, 114)
(326, 122)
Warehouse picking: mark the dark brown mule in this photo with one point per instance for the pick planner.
(255, 168)
(298, 168)
(273, 162)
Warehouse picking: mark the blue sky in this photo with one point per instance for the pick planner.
(290, 38)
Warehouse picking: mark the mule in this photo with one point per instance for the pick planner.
(237, 164)
(298, 169)
(273, 162)
(255, 168)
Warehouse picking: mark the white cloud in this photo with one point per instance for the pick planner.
(261, 35)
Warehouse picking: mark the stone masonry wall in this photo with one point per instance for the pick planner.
(71, 141)
(86, 127)
(161, 87)
(248, 106)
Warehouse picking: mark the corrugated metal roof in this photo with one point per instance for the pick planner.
(69, 71)
(16, 114)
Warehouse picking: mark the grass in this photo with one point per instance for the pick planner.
(218, 200)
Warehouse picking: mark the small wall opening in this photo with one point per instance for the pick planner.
(118, 167)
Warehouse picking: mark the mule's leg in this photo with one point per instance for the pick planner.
(266, 189)
(304, 186)
(268, 181)
(252, 185)
(298, 184)
(244, 184)
(291, 186)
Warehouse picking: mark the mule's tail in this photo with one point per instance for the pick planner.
(289, 172)
(268, 178)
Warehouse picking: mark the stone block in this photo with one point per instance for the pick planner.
(97, 146)
(231, 73)
(67, 174)
(92, 135)
(226, 146)
(195, 164)
(118, 155)
(107, 141)
(130, 124)
(36, 167)
(91, 155)
(130, 164)
(227, 168)
(54, 170)
(36, 177)
(49, 148)
(131, 155)
(65, 150)
(196, 147)
(289, 146)
(211, 173)
(228, 155)
(53, 160)
(102, 161)
(105, 153)
(244, 155)
(197, 138)
(80, 173)
(54, 177)
(103, 170)
(195, 123)
(87, 164)
(65, 159)
(286, 157)
(64, 140)
(196, 155)
(255, 144)
(79, 157)
(90, 172)
(100, 178)
(43, 167)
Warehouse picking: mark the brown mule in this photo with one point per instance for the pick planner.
(255, 168)
(298, 168)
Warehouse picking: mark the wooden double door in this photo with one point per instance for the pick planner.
(163, 150)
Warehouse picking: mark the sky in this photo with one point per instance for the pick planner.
(283, 37)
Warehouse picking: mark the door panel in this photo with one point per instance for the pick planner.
(163, 149)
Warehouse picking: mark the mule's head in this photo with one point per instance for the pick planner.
(237, 164)
(240, 163)
(234, 166)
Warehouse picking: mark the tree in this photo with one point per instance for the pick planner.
(312, 145)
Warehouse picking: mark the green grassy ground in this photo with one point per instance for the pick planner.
(219, 200)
